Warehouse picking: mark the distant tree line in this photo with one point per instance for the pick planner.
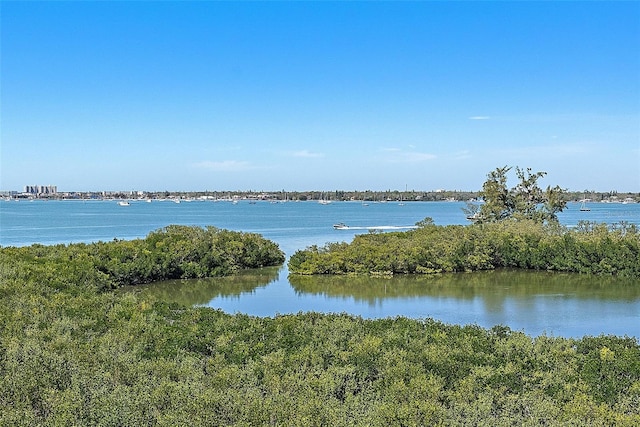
(371, 196)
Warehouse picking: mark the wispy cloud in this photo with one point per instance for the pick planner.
(462, 154)
(224, 166)
(410, 157)
(419, 157)
(479, 118)
(306, 154)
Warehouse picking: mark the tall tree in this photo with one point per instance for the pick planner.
(524, 201)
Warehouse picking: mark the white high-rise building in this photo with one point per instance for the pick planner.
(40, 189)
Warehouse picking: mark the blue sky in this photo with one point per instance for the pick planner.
(187, 96)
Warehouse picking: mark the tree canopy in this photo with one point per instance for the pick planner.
(526, 200)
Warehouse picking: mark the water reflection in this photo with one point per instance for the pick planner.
(492, 286)
(535, 302)
(201, 291)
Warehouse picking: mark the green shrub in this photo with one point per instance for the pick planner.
(522, 244)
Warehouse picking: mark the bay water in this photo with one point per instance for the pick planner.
(534, 302)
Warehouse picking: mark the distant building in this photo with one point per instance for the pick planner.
(40, 189)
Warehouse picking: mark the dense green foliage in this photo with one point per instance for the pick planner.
(589, 248)
(524, 201)
(174, 252)
(73, 355)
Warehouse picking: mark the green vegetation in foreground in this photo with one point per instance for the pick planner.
(73, 353)
(589, 248)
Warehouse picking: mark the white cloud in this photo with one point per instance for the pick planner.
(479, 118)
(306, 154)
(419, 157)
(224, 166)
(410, 157)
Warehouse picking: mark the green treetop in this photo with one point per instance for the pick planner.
(524, 201)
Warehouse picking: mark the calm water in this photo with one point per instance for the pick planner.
(555, 304)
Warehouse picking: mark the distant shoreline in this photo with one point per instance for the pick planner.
(367, 196)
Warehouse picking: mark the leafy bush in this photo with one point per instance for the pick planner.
(522, 244)
(173, 252)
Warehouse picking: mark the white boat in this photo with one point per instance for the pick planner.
(583, 205)
(340, 226)
(324, 201)
(401, 198)
(474, 217)
(123, 203)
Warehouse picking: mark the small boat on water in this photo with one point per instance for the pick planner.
(323, 200)
(474, 217)
(340, 226)
(123, 203)
(583, 205)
